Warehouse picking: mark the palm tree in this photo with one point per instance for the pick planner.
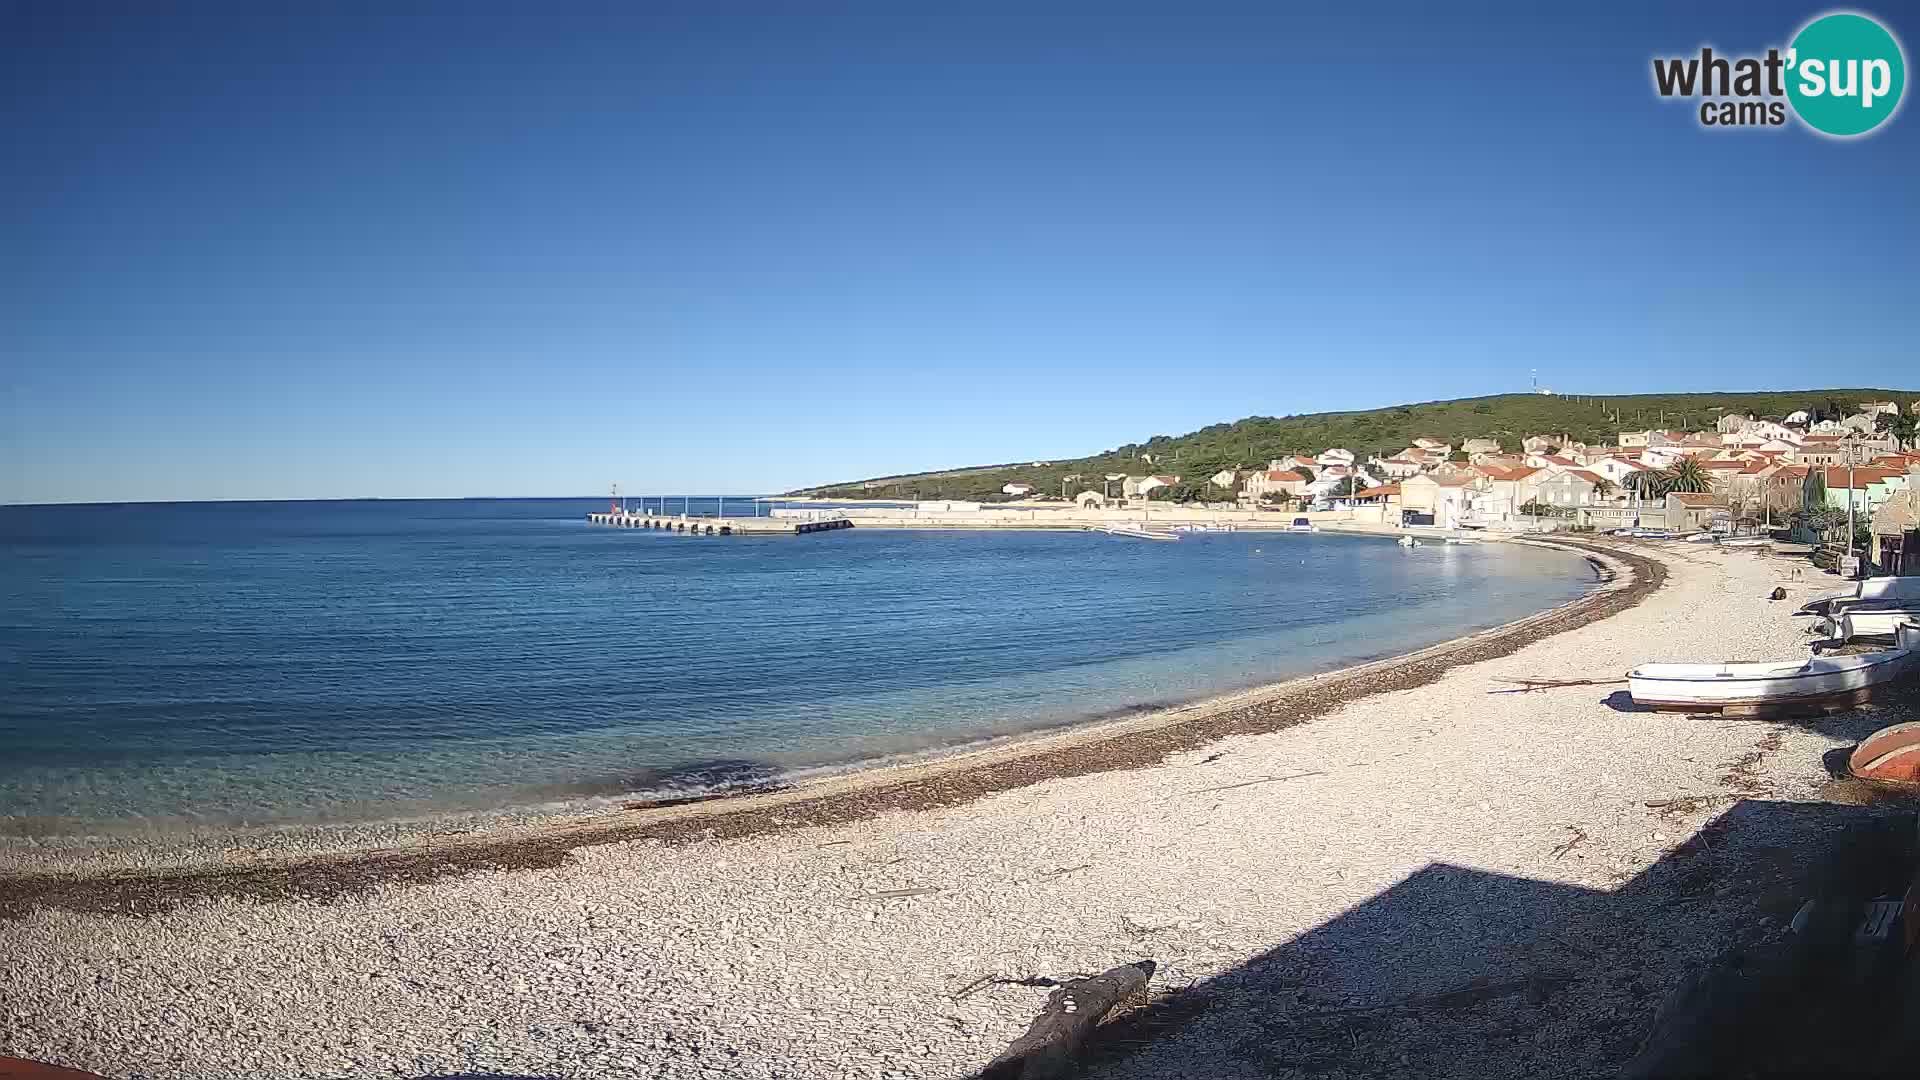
(1686, 475)
(1650, 484)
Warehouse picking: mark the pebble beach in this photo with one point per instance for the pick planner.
(1455, 877)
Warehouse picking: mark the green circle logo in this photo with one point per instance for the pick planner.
(1845, 74)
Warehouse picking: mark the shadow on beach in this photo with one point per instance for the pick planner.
(1458, 971)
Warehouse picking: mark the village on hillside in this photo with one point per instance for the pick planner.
(1809, 477)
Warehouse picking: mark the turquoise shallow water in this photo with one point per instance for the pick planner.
(259, 663)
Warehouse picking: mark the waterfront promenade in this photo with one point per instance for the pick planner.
(1067, 516)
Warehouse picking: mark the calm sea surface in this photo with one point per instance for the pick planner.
(260, 663)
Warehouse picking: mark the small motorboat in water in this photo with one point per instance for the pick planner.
(1821, 682)
(1302, 525)
(1408, 542)
(1140, 532)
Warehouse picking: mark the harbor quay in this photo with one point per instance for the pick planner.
(724, 526)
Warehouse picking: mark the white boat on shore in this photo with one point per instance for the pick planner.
(1821, 682)
(1863, 591)
(1871, 619)
(1139, 532)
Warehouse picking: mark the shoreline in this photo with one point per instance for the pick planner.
(1398, 888)
(948, 780)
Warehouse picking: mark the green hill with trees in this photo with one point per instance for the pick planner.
(1252, 442)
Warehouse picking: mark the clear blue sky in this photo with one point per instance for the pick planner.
(534, 249)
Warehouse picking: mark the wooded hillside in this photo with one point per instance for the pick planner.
(1252, 442)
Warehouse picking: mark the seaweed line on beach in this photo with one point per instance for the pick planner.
(334, 875)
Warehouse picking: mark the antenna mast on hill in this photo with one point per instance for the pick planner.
(1533, 378)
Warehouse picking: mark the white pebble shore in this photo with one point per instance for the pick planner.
(1416, 848)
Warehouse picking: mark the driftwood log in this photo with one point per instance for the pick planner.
(1071, 1013)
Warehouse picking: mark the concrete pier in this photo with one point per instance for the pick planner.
(723, 526)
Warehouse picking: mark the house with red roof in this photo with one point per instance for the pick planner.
(1563, 487)
(1385, 495)
(1274, 482)
(1502, 461)
(1695, 510)
(1446, 497)
(1746, 482)
(1396, 467)
(1761, 431)
(1293, 461)
(1617, 469)
(1719, 468)
(1780, 488)
(1820, 450)
(1502, 492)
(1139, 487)
(1862, 487)
(1541, 460)
(1834, 449)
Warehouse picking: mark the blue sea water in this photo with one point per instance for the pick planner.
(262, 663)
